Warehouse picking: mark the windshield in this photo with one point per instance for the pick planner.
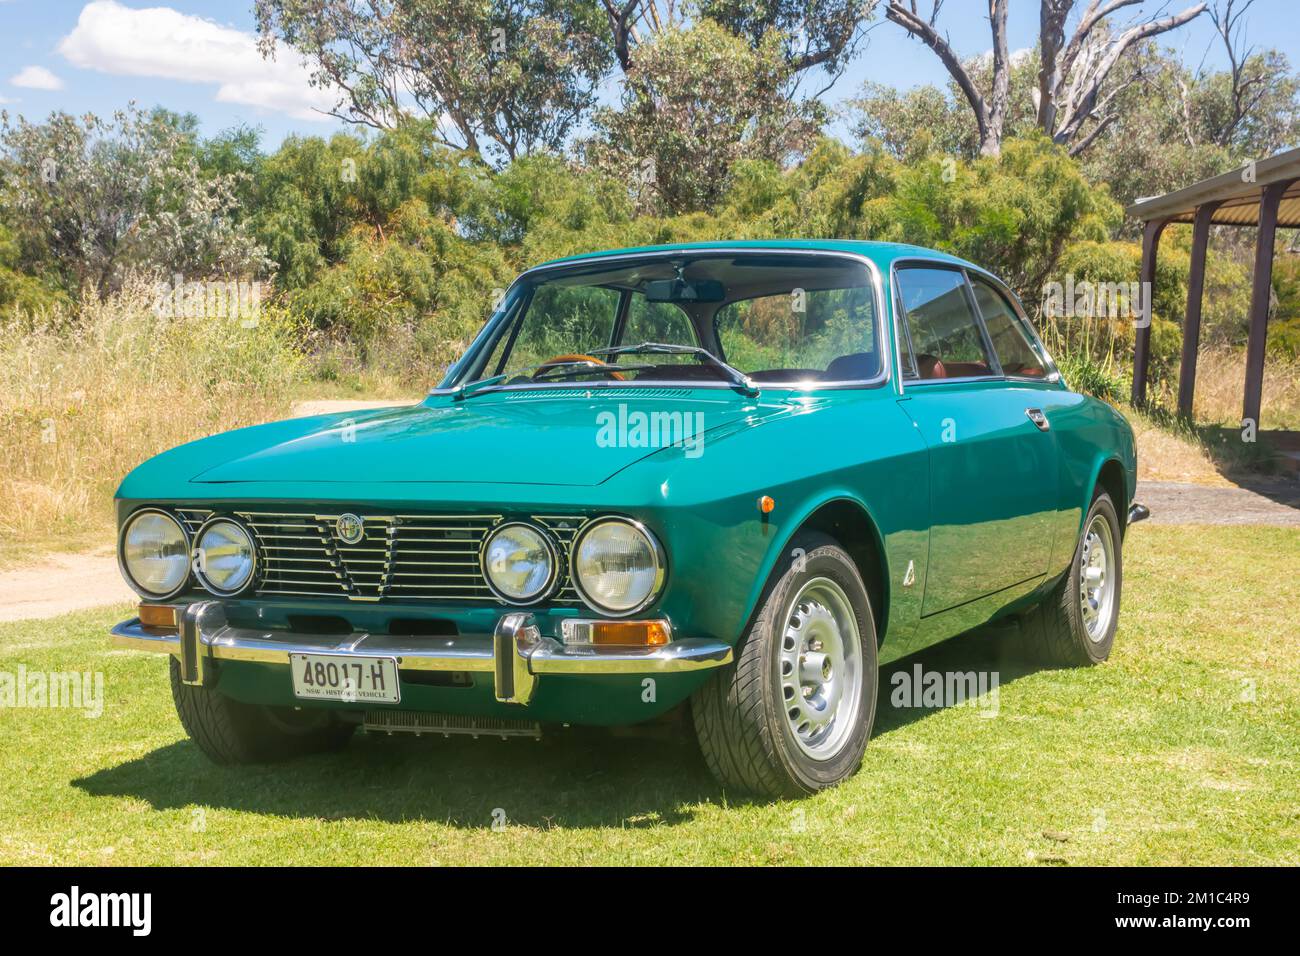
(782, 319)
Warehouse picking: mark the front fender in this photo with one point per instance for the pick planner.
(722, 550)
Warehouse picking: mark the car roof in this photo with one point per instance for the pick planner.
(882, 253)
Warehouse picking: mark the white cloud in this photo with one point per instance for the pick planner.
(36, 78)
(165, 43)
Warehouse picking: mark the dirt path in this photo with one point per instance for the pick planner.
(1273, 501)
(62, 583)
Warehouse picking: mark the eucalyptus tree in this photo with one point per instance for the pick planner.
(93, 200)
(499, 78)
(1084, 67)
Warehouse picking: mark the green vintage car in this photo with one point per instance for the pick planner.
(736, 477)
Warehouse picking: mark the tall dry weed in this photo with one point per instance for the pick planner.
(87, 394)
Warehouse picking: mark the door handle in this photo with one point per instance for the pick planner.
(1038, 418)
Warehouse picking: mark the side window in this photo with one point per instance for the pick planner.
(656, 322)
(946, 338)
(1015, 350)
(906, 363)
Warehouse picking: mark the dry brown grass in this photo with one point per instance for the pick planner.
(86, 397)
(1170, 455)
(1220, 380)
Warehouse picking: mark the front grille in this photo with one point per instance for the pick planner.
(403, 557)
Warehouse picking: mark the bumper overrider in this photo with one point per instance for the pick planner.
(517, 654)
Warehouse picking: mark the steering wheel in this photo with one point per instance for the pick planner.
(576, 357)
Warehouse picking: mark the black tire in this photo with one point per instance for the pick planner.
(1054, 631)
(740, 714)
(232, 732)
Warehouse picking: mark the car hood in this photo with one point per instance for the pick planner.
(546, 437)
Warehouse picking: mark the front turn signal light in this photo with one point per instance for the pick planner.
(617, 633)
(157, 615)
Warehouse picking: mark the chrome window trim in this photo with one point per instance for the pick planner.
(252, 541)
(878, 301)
(121, 554)
(1053, 375)
(661, 557)
(551, 582)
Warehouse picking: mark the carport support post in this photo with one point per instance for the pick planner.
(1260, 289)
(1142, 339)
(1192, 318)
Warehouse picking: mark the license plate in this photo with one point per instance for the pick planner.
(345, 678)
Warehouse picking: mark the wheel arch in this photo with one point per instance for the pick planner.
(849, 522)
(1111, 477)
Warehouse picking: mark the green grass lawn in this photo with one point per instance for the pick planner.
(1183, 749)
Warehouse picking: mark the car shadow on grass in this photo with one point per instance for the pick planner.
(571, 779)
(991, 655)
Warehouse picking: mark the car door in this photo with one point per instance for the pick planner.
(993, 459)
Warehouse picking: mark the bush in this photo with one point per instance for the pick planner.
(1101, 379)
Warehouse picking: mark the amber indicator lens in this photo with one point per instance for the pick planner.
(157, 615)
(630, 633)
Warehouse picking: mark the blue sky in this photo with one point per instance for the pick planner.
(197, 56)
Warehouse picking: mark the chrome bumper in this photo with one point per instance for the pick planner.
(516, 654)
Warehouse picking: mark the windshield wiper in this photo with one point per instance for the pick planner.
(738, 378)
(588, 368)
(565, 369)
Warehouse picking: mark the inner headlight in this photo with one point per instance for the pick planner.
(618, 566)
(155, 554)
(226, 557)
(519, 563)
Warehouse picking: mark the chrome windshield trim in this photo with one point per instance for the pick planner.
(878, 301)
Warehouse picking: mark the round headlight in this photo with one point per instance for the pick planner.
(519, 563)
(226, 557)
(155, 554)
(617, 566)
